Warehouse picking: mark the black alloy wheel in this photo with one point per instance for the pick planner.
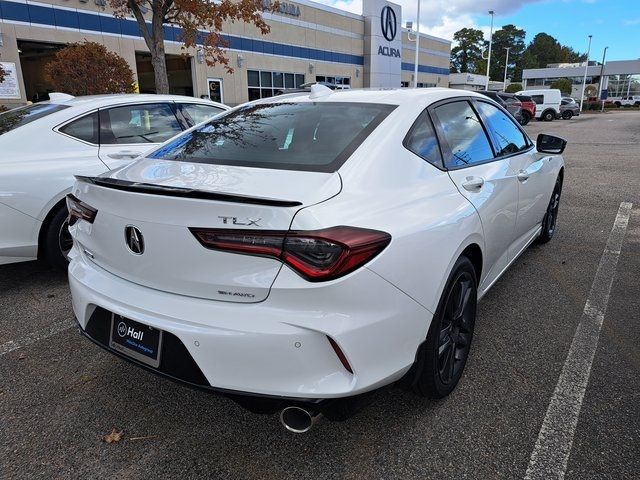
(56, 241)
(567, 114)
(456, 329)
(551, 216)
(441, 358)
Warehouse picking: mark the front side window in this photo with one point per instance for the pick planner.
(464, 135)
(422, 140)
(507, 137)
(21, 116)
(539, 99)
(200, 113)
(151, 123)
(294, 136)
(84, 128)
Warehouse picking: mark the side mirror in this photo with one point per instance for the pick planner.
(550, 144)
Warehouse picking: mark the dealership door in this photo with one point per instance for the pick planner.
(215, 90)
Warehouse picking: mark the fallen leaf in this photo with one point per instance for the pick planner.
(86, 378)
(114, 436)
(22, 356)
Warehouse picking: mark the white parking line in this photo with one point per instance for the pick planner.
(47, 332)
(551, 452)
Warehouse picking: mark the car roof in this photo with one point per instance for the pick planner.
(96, 101)
(391, 96)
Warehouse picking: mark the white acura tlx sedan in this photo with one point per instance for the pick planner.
(298, 252)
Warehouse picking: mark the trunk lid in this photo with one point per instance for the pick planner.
(162, 199)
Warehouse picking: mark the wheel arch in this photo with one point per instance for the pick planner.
(548, 110)
(46, 222)
(474, 253)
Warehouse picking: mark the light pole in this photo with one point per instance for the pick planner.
(486, 86)
(584, 80)
(506, 66)
(600, 89)
(415, 67)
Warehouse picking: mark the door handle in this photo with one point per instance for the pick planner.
(473, 184)
(124, 154)
(523, 175)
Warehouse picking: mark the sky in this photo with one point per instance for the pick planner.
(613, 23)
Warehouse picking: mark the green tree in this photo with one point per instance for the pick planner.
(544, 49)
(514, 87)
(509, 36)
(562, 84)
(466, 56)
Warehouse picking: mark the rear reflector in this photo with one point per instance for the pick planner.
(78, 210)
(317, 255)
(341, 356)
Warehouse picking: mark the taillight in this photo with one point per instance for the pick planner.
(78, 210)
(316, 255)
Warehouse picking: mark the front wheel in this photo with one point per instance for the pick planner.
(442, 357)
(551, 216)
(57, 241)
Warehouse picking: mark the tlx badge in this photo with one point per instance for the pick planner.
(240, 221)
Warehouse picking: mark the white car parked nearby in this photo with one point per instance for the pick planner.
(548, 102)
(300, 251)
(42, 146)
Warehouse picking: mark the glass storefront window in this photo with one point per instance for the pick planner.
(264, 84)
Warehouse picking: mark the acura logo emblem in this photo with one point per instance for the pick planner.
(134, 239)
(388, 23)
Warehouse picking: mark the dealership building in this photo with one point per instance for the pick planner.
(308, 42)
(621, 78)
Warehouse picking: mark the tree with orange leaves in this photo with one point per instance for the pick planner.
(200, 22)
(89, 69)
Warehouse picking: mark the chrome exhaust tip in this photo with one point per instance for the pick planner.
(298, 420)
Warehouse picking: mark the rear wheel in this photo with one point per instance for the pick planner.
(567, 114)
(525, 118)
(548, 116)
(551, 216)
(56, 241)
(442, 357)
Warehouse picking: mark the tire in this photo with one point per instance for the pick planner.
(56, 241)
(567, 114)
(551, 216)
(437, 369)
(525, 118)
(548, 116)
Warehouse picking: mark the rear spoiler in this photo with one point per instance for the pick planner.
(153, 189)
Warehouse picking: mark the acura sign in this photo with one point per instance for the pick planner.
(383, 43)
(389, 23)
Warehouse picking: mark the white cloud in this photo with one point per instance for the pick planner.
(443, 18)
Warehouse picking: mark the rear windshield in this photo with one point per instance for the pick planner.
(292, 136)
(21, 116)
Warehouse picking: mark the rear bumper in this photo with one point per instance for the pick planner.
(277, 348)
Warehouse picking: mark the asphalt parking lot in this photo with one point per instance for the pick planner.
(59, 393)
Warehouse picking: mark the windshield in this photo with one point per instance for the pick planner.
(21, 116)
(293, 136)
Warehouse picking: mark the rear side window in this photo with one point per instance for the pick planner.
(22, 116)
(200, 113)
(422, 140)
(507, 137)
(84, 128)
(463, 134)
(294, 136)
(150, 123)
